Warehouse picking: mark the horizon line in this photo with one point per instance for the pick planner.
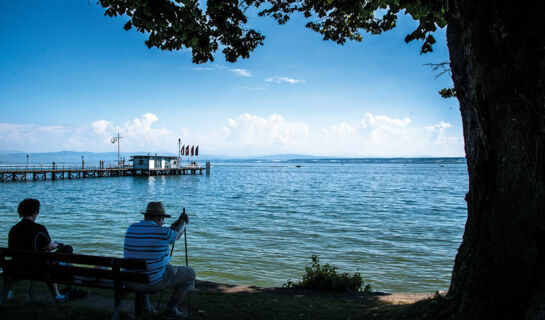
(293, 155)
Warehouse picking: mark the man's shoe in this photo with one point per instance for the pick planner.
(174, 314)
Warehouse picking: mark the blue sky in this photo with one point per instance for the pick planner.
(70, 78)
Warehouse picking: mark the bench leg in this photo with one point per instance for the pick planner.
(8, 285)
(118, 300)
(31, 291)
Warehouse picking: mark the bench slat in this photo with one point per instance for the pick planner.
(133, 264)
(55, 271)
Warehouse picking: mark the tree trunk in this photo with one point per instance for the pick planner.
(497, 52)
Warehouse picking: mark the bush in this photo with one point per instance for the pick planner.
(326, 278)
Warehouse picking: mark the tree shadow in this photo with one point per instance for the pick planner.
(251, 302)
(224, 301)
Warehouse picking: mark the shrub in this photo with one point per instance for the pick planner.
(326, 278)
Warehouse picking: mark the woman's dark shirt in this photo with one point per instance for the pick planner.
(28, 235)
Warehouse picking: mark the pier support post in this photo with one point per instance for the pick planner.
(207, 168)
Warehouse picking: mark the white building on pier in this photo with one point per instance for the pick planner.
(155, 162)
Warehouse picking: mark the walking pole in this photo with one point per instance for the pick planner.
(187, 265)
(171, 251)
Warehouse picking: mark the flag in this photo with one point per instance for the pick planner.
(187, 150)
(183, 149)
(192, 150)
(197, 151)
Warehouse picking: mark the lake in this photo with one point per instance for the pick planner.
(399, 223)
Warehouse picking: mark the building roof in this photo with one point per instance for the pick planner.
(154, 157)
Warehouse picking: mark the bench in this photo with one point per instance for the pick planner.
(74, 269)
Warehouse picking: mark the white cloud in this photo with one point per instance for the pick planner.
(278, 79)
(344, 129)
(382, 130)
(242, 72)
(102, 127)
(438, 130)
(238, 71)
(369, 120)
(203, 68)
(244, 135)
(249, 130)
(139, 134)
(383, 136)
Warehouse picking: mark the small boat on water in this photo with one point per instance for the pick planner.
(298, 166)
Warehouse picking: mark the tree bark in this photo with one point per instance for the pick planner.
(497, 53)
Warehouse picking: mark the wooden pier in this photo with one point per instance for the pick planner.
(41, 173)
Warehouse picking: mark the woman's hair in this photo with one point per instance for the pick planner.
(28, 207)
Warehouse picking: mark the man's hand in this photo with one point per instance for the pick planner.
(52, 246)
(177, 225)
(184, 217)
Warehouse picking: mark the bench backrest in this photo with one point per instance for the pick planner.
(38, 265)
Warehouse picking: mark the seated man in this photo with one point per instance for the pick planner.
(29, 235)
(149, 240)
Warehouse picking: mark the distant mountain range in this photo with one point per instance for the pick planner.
(74, 157)
(17, 157)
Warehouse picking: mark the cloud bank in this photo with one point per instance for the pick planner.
(246, 135)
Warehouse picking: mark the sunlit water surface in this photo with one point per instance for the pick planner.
(259, 223)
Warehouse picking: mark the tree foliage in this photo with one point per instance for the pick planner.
(173, 25)
(178, 24)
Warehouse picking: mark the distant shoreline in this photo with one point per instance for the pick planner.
(74, 157)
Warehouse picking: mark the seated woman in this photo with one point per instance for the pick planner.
(29, 235)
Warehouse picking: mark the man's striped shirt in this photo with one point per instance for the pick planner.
(147, 240)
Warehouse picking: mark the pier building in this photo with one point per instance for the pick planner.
(155, 162)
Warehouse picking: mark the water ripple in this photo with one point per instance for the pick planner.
(399, 225)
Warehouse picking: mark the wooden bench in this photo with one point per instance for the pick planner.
(74, 269)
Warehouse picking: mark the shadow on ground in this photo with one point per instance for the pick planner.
(223, 301)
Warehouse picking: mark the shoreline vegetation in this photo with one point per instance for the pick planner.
(212, 300)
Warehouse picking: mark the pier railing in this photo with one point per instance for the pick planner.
(56, 167)
(53, 171)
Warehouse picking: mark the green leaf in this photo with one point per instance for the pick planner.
(127, 25)
(194, 42)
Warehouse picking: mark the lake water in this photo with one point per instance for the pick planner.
(399, 223)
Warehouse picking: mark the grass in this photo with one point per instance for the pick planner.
(225, 303)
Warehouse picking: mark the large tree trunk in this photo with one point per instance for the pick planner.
(497, 52)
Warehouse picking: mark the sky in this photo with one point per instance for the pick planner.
(72, 78)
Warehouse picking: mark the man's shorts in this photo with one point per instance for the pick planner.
(173, 277)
